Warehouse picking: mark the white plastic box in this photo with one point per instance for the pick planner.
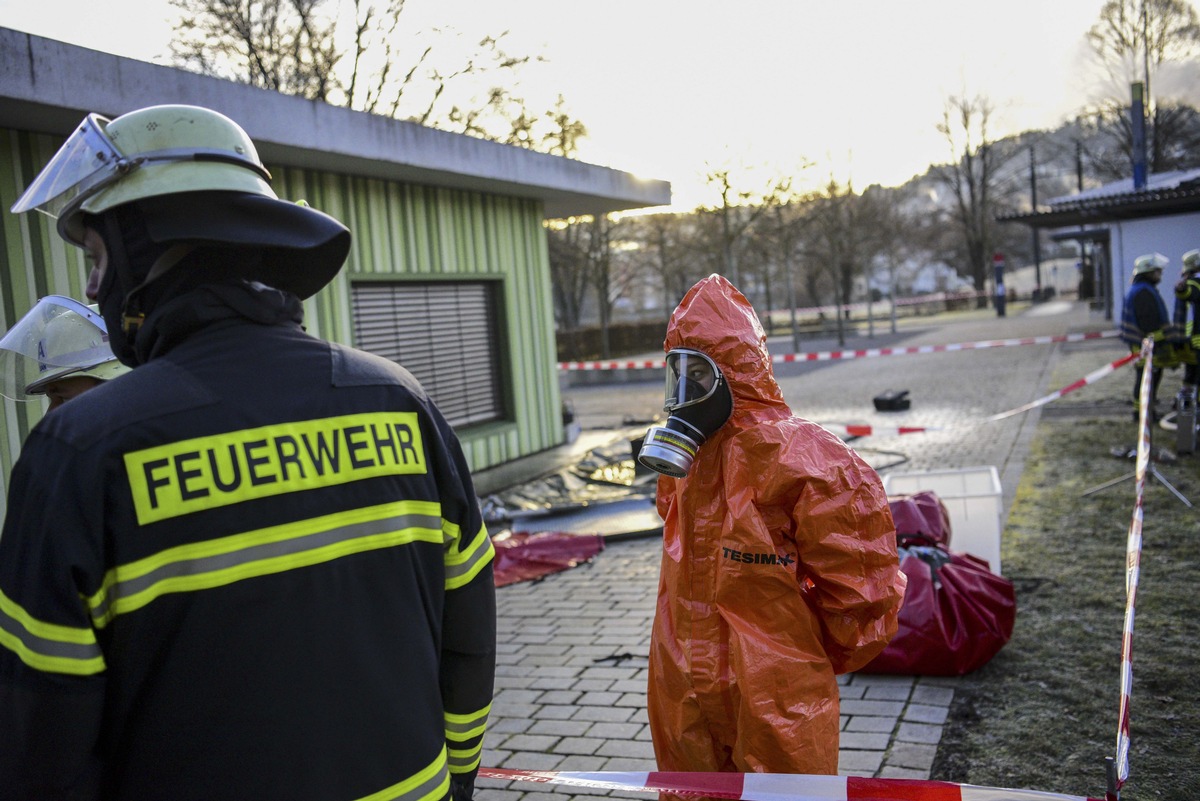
(973, 498)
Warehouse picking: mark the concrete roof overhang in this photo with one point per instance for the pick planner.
(48, 86)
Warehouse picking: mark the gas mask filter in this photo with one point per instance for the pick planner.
(698, 402)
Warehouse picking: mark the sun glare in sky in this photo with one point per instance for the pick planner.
(854, 89)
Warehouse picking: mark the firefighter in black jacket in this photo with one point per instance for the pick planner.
(254, 567)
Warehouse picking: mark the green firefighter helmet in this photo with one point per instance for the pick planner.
(195, 176)
(1149, 263)
(155, 151)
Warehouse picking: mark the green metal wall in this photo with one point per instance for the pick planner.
(401, 231)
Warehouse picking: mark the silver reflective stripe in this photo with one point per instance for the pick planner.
(49, 647)
(216, 563)
(461, 567)
(431, 784)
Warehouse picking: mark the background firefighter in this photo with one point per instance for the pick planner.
(779, 567)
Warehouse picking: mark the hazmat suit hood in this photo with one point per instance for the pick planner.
(779, 569)
(717, 320)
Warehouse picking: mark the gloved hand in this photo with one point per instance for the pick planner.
(462, 786)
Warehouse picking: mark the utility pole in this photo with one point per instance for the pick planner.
(1037, 240)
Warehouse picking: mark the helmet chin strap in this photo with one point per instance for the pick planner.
(132, 316)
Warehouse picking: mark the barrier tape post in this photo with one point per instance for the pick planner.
(1118, 771)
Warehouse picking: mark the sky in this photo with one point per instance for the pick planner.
(673, 90)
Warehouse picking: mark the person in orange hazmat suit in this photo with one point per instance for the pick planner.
(779, 567)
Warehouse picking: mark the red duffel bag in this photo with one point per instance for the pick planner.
(921, 513)
(957, 614)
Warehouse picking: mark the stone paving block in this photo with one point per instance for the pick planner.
(632, 699)
(553, 712)
(532, 760)
(565, 697)
(510, 696)
(558, 728)
(884, 680)
(627, 764)
(919, 733)
(614, 731)
(887, 692)
(590, 685)
(851, 691)
(532, 743)
(628, 749)
(922, 713)
(892, 772)
(508, 726)
(577, 745)
(859, 760)
(612, 714)
(488, 794)
(547, 660)
(911, 755)
(852, 707)
(550, 648)
(599, 699)
(878, 723)
(932, 695)
(631, 685)
(582, 762)
(865, 741)
(551, 683)
(506, 710)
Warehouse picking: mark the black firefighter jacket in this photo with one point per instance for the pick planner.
(252, 568)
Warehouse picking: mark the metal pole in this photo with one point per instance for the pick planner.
(1037, 240)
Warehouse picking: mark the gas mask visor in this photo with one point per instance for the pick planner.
(57, 337)
(86, 163)
(697, 402)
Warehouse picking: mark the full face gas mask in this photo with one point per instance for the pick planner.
(698, 402)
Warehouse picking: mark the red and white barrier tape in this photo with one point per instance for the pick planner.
(776, 786)
(1133, 562)
(1090, 378)
(831, 355)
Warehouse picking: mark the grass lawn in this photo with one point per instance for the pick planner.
(1043, 713)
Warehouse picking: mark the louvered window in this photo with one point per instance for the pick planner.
(445, 333)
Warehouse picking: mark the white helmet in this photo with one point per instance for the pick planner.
(1191, 261)
(1149, 263)
(58, 338)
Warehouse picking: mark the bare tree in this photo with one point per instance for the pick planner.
(972, 178)
(737, 212)
(569, 270)
(1140, 41)
(297, 47)
(845, 238)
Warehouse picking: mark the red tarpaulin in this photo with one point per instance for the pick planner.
(522, 556)
(957, 613)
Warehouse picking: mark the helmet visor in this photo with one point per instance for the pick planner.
(57, 337)
(85, 163)
(691, 378)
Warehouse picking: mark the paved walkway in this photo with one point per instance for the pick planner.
(571, 678)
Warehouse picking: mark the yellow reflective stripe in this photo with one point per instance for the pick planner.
(460, 728)
(216, 563)
(431, 784)
(206, 472)
(465, 760)
(464, 565)
(49, 647)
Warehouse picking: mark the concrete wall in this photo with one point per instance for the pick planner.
(1171, 236)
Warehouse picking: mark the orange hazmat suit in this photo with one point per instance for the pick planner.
(779, 570)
